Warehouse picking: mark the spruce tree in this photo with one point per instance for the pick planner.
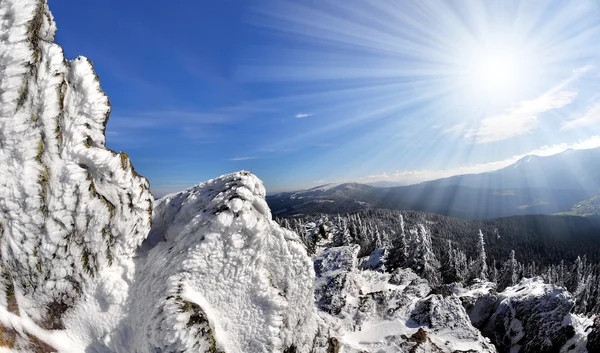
(482, 270)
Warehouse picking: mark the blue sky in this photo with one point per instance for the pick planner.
(307, 92)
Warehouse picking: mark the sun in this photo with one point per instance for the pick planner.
(499, 73)
(495, 71)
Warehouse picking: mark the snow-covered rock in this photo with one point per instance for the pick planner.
(369, 311)
(217, 274)
(479, 301)
(71, 210)
(214, 274)
(530, 317)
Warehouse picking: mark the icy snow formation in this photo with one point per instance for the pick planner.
(69, 207)
(216, 273)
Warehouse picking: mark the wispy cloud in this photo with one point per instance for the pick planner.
(417, 176)
(521, 119)
(303, 115)
(589, 118)
(236, 159)
(454, 129)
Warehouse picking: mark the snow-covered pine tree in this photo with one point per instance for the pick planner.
(576, 278)
(509, 274)
(346, 236)
(482, 270)
(422, 258)
(494, 274)
(398, 253)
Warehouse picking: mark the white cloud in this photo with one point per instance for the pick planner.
(303, 115)
(242, 158)
(521, 119)
(417, 176)
(582, 70)
(589, 118)
(454, 129)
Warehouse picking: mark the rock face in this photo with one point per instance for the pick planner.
(531, 316)
(70, 209)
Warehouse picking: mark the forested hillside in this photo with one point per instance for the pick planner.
(563, 250)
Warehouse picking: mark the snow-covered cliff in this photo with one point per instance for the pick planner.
(71, 211)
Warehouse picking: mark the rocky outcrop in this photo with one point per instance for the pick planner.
(593, 338)
(529, 317)
(71, 210)
(369, 311)
(217, 274)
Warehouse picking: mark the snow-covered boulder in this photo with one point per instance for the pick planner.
(479, 300)
(72, 212)
(332, 266)
(217, 274)
(370, 311)
(531, 317)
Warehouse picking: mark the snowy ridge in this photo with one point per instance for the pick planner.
(218, 265)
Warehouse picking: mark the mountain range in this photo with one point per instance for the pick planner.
(90, 262)
(564, 183)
